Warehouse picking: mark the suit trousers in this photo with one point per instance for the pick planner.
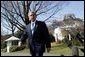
(35, 49)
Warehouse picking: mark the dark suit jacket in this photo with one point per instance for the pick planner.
(40, 39)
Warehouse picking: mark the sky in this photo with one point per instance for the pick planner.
(75, 7)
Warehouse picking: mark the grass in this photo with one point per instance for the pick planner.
(62, 49)
(56, 49)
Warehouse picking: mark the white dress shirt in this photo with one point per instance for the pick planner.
(32, 26)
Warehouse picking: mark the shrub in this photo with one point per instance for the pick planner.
(3, 45)
(16, 48)
(4, 50)
(52, 38)
(76, 42)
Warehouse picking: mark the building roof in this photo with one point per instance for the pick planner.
(12, 38)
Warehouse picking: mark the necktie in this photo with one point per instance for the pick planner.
(32, 28)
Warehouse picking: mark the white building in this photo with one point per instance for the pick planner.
(9, 42)
(60, 33)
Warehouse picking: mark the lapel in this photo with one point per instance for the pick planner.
(30, 32)
(36, 26)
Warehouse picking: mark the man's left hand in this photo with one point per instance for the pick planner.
(48, 49)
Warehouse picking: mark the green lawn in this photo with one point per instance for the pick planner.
(57, 49)
(62, 49)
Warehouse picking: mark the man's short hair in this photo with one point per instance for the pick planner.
(32, 12)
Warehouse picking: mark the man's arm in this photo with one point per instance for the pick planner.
(47, 37)
(23, 36)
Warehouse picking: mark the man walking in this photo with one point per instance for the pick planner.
(38, 36)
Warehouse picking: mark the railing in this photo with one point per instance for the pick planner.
(74, 48)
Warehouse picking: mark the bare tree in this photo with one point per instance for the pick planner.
(69, 16)
(16, 12)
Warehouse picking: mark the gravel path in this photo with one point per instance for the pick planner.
(23, 54)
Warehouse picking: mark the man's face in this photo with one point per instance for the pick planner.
(32, 16)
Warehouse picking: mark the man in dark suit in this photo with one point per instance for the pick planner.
(38, 36)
